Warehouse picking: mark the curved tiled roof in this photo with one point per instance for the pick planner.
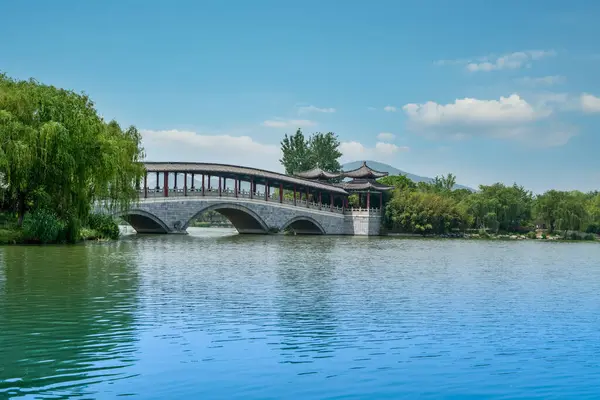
(365, 184)
(227, 170)
(364, 172)
(317, 173)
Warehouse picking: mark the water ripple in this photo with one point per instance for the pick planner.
(255, 317)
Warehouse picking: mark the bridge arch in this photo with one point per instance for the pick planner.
(304, 225)
(143, 221)
(242, 218)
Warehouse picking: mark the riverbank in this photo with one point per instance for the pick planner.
(539, 236)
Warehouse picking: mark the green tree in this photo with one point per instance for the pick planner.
(319, 150)
(423, 212)
(57, 153)
(296, 153)
(401, 182)
(324, 151)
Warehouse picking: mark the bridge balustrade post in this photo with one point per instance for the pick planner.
(281, 192)
(146, 185)
(166, 184)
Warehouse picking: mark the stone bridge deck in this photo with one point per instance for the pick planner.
(248, 213)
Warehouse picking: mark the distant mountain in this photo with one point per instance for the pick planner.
(392, 171)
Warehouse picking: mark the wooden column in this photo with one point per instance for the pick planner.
(157, 182)
(202, 184)
(306, 197)
(331, 201)
(225, 184)
(252, 187)
(368, 200)
(166, 184)
(208, 182)
(294, 194)
(175, 183)
(266, 190)
(281, 192)
(380, 201)
(319, 200)
(219, 186)
(193, 183)
(185, 183)
(146, 185)
(235, 189)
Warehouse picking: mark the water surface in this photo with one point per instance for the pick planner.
(216, 315)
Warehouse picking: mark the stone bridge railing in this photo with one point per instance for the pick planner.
(156, 194)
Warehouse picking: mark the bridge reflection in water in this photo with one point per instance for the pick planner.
(255, 201)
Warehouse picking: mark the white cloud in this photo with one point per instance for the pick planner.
(390, 109)
(352, 151)
(516, 60)
(506, 118)
(549, 80)
(386, 136)
(311, 108)
(288, 123)
(590, 103)
(176, 145)
(470, 111)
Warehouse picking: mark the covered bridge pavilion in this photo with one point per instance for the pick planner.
(195, 178)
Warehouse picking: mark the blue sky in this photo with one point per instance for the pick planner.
(491, 91)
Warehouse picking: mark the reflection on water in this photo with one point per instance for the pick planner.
(219, 315)
(67, 318)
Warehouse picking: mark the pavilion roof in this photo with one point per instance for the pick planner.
(317, 173)
(364, 172)
(364, 184)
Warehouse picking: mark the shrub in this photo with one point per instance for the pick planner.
(574, 236)
(531, 235)
(104, 225)
(42, 226)
(589, 236)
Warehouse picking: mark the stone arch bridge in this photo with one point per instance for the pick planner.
(255, 201)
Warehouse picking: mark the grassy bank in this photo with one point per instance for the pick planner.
(42, 229)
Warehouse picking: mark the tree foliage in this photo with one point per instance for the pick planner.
(319, 150)
(58, 154)
(435, 207)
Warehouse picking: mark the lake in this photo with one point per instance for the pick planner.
(213, 315)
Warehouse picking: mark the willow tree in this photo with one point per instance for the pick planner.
(56, 152)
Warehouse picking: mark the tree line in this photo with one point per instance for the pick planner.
(436, 207)
(57, 156)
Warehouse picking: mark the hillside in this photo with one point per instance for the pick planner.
(392, 171)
